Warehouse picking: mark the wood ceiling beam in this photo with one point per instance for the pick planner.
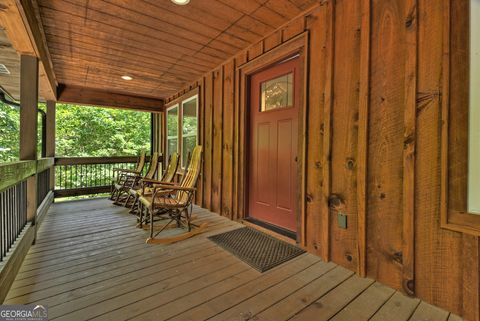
(95, 97)
(20, 20)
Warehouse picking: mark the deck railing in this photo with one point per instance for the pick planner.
(76, 176)
(13, 216)
(15, 196)
(44, 186)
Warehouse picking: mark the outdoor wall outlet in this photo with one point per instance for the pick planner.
(342, 220)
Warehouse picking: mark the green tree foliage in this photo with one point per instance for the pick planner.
(93, 131)
(9, 133)
(82, 131)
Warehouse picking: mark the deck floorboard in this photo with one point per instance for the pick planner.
(91, 263)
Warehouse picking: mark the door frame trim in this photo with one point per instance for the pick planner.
(298, 44)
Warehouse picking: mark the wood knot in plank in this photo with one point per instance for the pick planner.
(409, 287)
(409, 141)
(411, 17)
(248, 316)
(350, 163)
(398, 257)
(424, 99)
(336, 202)
(309, 198)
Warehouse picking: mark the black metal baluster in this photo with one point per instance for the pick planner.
(1, 226)
(24, 201)
(12, 217)
(9, 223)
(12, 208)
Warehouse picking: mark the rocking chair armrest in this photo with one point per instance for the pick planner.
(154, 182)
(151, 181)
(161, 192)
(176, 188)
(126, 170)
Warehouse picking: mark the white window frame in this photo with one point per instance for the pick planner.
(181, 125)
(180, 134)
(172, 137)
(474, 112)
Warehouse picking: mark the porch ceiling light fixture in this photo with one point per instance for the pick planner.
(181, 2)
(126, 77)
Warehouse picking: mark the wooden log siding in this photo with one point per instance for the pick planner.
(374, 122)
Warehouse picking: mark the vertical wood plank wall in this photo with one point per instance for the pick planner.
(373, 145)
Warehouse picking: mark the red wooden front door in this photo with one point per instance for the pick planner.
(273, 141)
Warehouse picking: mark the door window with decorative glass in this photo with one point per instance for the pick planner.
(277, 93)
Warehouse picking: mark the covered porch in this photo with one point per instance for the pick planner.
(342, 127)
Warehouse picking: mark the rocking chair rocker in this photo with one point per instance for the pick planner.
(174, 203)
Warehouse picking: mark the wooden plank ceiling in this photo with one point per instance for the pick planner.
(163, 46)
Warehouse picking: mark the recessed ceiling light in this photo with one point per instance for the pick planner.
(127, 78)
(181, 2)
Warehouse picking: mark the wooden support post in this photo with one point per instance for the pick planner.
(156, 142)
(51, 111)
(29, 124)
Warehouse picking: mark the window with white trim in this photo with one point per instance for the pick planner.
(172, 131)
(474, 113)
(189, 127)
(182, 129)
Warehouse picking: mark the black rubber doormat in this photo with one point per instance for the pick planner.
(257, 249)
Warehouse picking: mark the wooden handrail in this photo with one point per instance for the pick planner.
(44, 163)
(14, 172)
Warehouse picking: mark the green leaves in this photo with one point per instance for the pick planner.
(93, 131)
(9, 133)
(81, 131)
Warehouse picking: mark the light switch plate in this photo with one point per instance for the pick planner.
(342, 220)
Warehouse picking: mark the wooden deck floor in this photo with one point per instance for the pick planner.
(90, 262)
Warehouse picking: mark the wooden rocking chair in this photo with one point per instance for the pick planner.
(145, 186)
(175, 204)
(121, 174)
(132, 180)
